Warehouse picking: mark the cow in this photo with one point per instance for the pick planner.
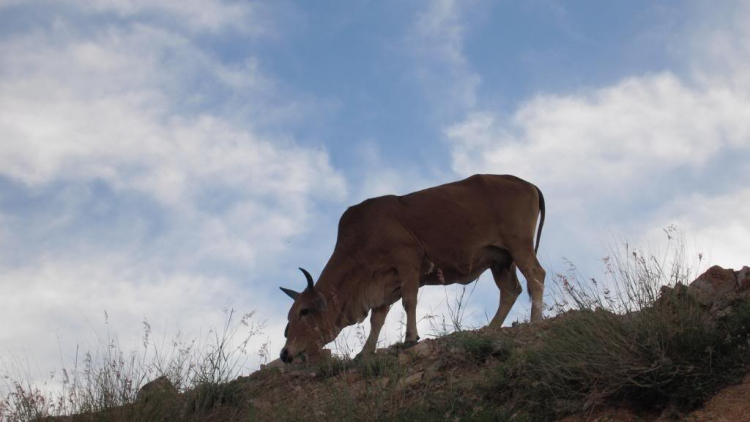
(388, 247)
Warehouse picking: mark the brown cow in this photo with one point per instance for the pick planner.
(389, 246)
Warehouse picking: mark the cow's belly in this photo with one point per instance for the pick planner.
(387, 289)
(444, 276)
(463, 271)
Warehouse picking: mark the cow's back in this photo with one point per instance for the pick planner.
(455, 220)
(450, 223)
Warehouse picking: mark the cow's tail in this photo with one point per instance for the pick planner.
(541, 220)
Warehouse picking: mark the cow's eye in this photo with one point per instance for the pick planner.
(304, 312)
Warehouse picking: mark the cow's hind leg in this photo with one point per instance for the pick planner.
(507, 281)
(377, 319)
(525, 259)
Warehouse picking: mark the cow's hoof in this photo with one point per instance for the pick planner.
(410, 344)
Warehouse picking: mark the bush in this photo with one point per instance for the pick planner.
(623, 342)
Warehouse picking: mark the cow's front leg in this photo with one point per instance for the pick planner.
(377, 319)
(409, 291)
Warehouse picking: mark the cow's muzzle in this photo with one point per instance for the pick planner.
(285, 356)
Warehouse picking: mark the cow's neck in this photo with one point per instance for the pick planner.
(339, 283)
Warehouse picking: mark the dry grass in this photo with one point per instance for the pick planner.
(610, 342)
(623, 341)
(108, 377)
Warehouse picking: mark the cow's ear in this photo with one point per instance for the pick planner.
(289, 292)
(320, 303)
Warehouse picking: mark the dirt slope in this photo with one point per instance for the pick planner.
(685, 357)
(434, 371)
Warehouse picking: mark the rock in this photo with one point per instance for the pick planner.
(156, 389)
(743, 279)
(711, 286)
(422, 349)
(302, 374)
(419, 350)
(433, 370)
(278, 363)
(262, 405)
(410, 381)
(671, 294)
(405, 359)
(383, 382)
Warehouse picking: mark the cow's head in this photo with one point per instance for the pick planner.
(309, 327)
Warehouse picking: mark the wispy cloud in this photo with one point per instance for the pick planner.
(193, 15)
(437, 42)
(714, 225)
(611, 140)
(647, 139)
(117, 110)
(127, 188)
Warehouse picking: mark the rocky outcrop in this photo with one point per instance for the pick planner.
(713, 285)
(156, 390)
(716, 289)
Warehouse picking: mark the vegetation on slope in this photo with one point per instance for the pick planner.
(626, 343)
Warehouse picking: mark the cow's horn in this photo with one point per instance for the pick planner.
(291, 293)
(309, 278)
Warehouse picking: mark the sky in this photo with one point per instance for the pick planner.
(167, 160)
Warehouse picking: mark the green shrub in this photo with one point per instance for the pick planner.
(479, 347)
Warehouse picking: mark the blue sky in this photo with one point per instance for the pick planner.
(169, 159)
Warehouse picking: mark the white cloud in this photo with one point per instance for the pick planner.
(81, 110)
(441, 23)
(41, 298)
(436, 42)
(380, 177)
(713, 45)
(132, 107)
(194, 15)
(201, 14)
(610, 140)
(59, 309)
(608, 159)
(716, 225)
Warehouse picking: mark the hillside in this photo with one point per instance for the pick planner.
(684, 356)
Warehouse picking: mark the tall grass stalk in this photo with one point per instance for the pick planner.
(633, 277)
